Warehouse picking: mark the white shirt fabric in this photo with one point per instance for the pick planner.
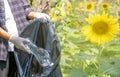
(10, 23)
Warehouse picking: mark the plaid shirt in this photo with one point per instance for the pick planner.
(20, 9)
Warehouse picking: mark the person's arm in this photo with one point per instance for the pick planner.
(16, 40)
(4, 34)
(31, 15)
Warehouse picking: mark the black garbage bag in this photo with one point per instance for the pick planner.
(43, 35)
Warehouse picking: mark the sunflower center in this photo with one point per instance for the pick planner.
(89, 6)
(105, 6)
(100, 27)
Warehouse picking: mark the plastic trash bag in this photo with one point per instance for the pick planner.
(43, 35)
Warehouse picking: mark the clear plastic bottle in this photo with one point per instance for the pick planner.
(41, 55)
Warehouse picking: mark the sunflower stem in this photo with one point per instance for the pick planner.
(100, 50)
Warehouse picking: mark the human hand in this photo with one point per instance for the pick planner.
(19, 42)
(41, 15)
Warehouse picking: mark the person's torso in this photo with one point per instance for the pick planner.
(17, 9)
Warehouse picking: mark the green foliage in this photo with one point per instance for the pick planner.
(77, 73)
(110, 66)
(79, 57)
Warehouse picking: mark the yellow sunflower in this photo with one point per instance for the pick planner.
(104, 6)
(101, 29)
(89, 6)
(69, 6)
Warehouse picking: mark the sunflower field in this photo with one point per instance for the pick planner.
(89, 34)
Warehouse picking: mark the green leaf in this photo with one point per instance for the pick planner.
(84, 56)
(77, 73)
(95, 50)
(111, 66)
(112, 43)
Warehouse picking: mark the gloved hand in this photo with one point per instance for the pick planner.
(41, 15)
(19, 42)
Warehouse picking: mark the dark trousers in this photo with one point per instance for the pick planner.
(12, 65)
